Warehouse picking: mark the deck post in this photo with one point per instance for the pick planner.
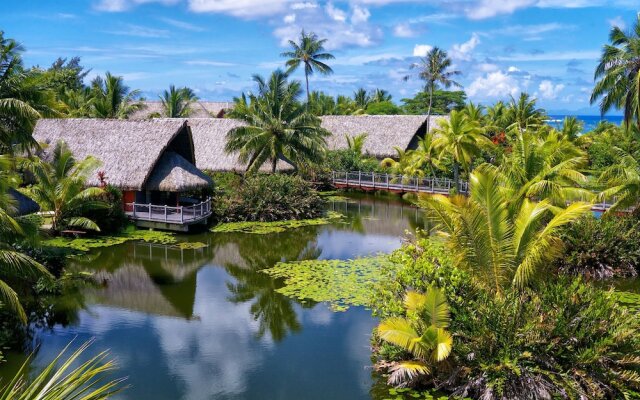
(149, 211)
(387, 176)
(165, 213)
(359, 178)
(181, 215)
(134, 209)
(201, 209)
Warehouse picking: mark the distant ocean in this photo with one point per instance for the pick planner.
(589, 121)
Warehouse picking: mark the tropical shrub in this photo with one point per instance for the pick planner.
(111, 218)
(601, 247)
(272, 197)
(565, 339)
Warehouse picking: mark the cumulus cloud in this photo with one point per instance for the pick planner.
(463, 51)
(493, 85)
(548, 90)
(403, 31)
(421, 50)
(344, 27)
(241, 8)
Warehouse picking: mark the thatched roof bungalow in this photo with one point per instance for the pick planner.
(151, 161)
(384, 132)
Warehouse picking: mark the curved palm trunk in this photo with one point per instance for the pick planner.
(306, 77)
(429, 109)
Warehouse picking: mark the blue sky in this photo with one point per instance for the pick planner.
(548, 48)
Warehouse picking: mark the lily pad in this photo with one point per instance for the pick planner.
(263, 228)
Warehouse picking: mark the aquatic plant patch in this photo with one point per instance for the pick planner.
(191, 245)
(341, 283)
(86, 244)
(263, 228)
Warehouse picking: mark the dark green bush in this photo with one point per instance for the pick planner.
(112, 218)
(601, 247)
(273, 197)
(566, 339)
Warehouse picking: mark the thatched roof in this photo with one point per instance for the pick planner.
(128, 150)
(199, 109)
(175, 174)
(384, 131)
(24, 204)
(209, 139)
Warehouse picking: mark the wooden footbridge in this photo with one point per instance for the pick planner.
(371, 181)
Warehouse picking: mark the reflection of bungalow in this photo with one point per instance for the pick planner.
(384, 132)
(152, 162)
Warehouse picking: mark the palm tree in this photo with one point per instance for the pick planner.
(14, 265)
(62, 382)
(498, 243)
(523, 113)
(310, 52)
(61, 189)
(623, 182)
(433, 69)
(425, 158)
(176, 103)
(572, 127)
(362, 98)
(356, 143)
(113, 99)
(545, 167)
(496, 118)
(380, 95)
(278, 127)
(24, 98)
(460, 138)
(474, 112)
(619, 74)
(422, 333)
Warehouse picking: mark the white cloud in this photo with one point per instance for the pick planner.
(548, 90)
(182, 25)
(303, 6)
(289, 19)
(617, 21)
(360, 15)
(421, 50)
(140, 31)
(490, 8)
(486, 67)
(241, 8)
(463, 51)
(335, 13)
(553, 56)
(513, 69)
(210, 63)
(403, 31)
(123, 5)
(493, 85)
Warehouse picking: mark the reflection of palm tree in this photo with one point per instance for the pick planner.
(274, 311)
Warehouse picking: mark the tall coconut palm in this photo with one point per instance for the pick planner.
(434, 70)
(499, 244)
(460, 138)
(422, 333)
(113, 99)
(176, 102)
(14, 265)
(619, 74)
(309, 52)
(61, 189)
(523, 113)
(278, 127)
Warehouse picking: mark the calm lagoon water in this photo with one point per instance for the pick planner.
(206, 324)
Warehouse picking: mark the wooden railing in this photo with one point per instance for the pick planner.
(175, 215)
(401, 183)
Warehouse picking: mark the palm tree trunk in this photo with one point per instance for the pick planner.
(456, 175)
(429, 109)
(274, 163)
(306, 77)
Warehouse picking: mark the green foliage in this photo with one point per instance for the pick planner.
(566, 339)
(111, 98)
(263, 228)
(444, 102)
(341, 283)
(62, 189)
(112, 218)
(501, 240)
(130, 234)
(383, 108)
(601, 247)
(60, 380)
(273, 197)
(278, 126)
(618, 72)
(176, 102)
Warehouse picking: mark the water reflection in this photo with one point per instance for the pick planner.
(206, 323)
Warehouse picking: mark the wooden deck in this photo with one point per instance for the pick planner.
(369, 181)
(174, 218)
